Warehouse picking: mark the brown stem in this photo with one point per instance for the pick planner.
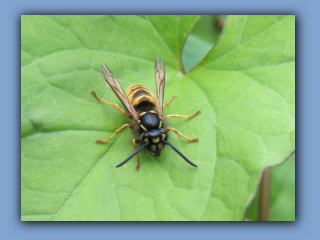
(264, 199)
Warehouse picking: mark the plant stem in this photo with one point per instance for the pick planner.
(264, 199)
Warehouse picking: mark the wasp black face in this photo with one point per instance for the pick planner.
(149, 121)
(154, 138)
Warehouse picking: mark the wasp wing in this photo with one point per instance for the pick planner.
(160, 82)
(117, 89)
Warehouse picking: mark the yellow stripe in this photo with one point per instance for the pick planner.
(139, 100)
(143, 127)
(131, 91)
(136, 87)
(135, 95)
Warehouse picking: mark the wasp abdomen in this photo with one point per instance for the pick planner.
(141, 97)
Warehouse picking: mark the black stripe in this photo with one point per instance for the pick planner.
(140, 93)
(136, 87)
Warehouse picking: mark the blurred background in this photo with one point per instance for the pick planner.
(282, 196)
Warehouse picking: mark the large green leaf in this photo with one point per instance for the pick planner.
(244, 88)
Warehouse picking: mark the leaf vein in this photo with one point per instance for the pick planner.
(170, 50)
(271, 25)
(85, 178)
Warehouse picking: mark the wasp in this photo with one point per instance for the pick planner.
(146, 112)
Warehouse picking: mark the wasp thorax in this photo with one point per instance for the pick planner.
(149, 121)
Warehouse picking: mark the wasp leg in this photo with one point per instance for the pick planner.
(113, 104)
(181, 135)
(182, 115)
(104, 141)
(166, 103)
(134, 141)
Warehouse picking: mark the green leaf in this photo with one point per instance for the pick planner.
(244, 89)
(282, 199)
(202, 38)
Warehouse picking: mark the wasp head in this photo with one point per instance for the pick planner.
(154, 138)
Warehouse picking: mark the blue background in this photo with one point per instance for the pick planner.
(307, 136)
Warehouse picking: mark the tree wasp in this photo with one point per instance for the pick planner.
(146, 111)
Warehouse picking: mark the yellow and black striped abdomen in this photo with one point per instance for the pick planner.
(141, 98)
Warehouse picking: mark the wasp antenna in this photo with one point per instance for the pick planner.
(180, 153)
(134, 153)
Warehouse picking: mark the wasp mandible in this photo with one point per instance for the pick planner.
(146, 111)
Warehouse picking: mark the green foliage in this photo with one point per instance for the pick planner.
(244, 88)
(282, 200)
(199, 43)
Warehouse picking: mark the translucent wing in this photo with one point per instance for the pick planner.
(160, 82)
(116, 87)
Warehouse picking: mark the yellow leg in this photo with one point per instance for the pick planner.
(134, 141)
(113, 104)
(182, 115)
(173, 97)
(104, 141)
(181, 135)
